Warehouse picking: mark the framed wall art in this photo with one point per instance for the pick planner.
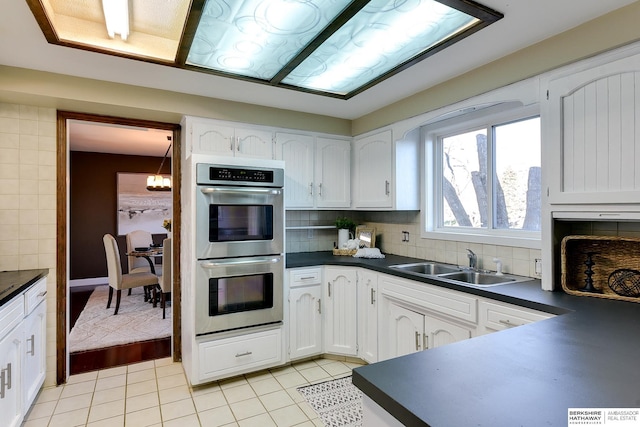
(139, 208)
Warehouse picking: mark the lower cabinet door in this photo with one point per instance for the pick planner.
(10, 381)
(35, 327)
(439, 332)
(236, 355)
(305, 321)
(405, 330)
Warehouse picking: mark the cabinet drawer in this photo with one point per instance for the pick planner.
(498, 317)
(307, 276)
(228, 356)
(11, 315)
(35, 295)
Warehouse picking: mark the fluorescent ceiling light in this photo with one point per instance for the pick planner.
(116, 15)
(336, 48)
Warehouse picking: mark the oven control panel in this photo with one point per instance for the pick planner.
(208, 174)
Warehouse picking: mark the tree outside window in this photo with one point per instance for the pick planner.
(491, 177)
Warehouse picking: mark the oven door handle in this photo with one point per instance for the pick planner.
(226, 263)
(240, 190)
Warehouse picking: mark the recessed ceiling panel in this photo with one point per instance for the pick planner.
(257, 38)
(383, 35)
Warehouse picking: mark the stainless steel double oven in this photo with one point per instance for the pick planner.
(239, 246)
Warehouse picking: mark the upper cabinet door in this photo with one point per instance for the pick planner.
(333, 173)
(593, 135)
(213, 139)
(254, 143)
(373, 159)
(297, 151)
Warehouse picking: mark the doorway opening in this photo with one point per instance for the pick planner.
(95, 155)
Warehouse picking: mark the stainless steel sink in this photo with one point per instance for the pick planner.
(478, 278)
(452, 273)
(426, 268)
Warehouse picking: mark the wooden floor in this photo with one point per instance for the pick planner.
(91, 360)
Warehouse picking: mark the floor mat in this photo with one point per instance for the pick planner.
(337, 402)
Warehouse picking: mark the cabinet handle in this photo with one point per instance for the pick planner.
(246, 353)
(373, 296)
(320, 189)
(311, 188)
(507, 323)
(386, 187)
(417, 341)
(231, 144)
(329, 283)
(5, 380)
(425, 339)
(43, 293)
(32, 341)
(238, 144)
(319, 307)
(308, 278)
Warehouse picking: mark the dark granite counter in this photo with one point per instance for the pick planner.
(588, 356)
(14, 282)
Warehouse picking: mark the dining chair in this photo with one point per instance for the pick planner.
(165, 280)
(138, 239)
(119, 281)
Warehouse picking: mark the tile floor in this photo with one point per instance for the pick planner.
(155, 393)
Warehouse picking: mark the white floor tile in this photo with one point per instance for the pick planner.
(247, 408)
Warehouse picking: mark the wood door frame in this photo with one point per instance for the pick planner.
(62, 200)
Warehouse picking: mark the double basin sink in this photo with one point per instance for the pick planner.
(451, 273)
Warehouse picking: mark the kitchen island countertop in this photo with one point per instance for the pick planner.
(588, 356)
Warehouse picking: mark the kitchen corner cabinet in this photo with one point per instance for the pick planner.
(317, 170)
(305, 312)
(340, 310)
(22, 352)
(593, 146)
(386, 172)
(368, 315)
(230, 140)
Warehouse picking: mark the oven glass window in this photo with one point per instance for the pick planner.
(229, 223)
(243, 293)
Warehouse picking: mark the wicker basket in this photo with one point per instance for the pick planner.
(345, 252)
(611, 253)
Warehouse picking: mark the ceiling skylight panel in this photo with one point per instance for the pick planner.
(383, 35)
(257, 38)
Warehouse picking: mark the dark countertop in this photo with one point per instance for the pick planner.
(588, 356)
(14, 282)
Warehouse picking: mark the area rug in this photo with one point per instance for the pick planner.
(136, 321)
(337, 402)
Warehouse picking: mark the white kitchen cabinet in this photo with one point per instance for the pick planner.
(34, 371)
(230, 140)
(11, 349)
(403, 333)
(497, 316)
(340, 310)
(368, 315)
(408, 331)
(298, 153)
(239, 354)
(305, 312)
(22, 352)
(386, 172)
(592, 148)
(317, 170)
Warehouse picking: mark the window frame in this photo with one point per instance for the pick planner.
(432, 198)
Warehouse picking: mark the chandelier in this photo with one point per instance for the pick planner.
(157, 182)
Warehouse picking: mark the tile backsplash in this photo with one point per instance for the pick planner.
(389, 232)
(28, 201)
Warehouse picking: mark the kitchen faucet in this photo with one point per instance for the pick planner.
(473, 259)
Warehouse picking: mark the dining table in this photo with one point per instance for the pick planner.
(150, 254)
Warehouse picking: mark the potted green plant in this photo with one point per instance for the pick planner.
(345, 226)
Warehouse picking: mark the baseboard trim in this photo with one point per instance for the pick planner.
(88, 282)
